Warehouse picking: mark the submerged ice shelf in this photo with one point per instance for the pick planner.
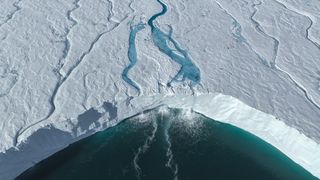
(236, 48)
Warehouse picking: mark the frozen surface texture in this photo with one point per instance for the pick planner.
(69, 68)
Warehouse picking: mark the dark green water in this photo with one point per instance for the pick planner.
(165, 145)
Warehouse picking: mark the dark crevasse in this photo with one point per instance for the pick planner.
(132, 55)
(166, 144)
(162, 40)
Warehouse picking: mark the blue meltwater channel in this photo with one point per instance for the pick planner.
(188, 69)
(132, 55)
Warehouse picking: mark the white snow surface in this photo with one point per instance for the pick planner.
(259, 64)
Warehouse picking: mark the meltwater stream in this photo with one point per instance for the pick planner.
(188, 69)
(168, 144)
(132, 55)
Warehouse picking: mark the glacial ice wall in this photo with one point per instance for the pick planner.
(62, 59)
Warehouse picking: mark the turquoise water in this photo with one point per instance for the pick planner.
(166, 144)
(132, 55)
(188, 69)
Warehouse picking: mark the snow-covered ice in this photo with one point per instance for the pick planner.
(254, 64)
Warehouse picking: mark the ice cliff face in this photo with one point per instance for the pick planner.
(71, 68)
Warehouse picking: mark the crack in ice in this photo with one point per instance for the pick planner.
(64, 79)
(131, 7)
(274, 65)
(304, 14)
(237, 33)
(260, 30)
(110, 10)
(11, 15)
(67, 41)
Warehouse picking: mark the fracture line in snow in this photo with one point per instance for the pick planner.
(10, 16)
(60, 65)
(67, 41)
(170, 163)
(302, 88)
(260, 30)
(111, 13)
(276, 47)
(130, 6)
(302, 13)
(60, 83)
(144, 148)
(237, 33)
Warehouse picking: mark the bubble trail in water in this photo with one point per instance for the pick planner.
(170, 163)
(144, 148)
